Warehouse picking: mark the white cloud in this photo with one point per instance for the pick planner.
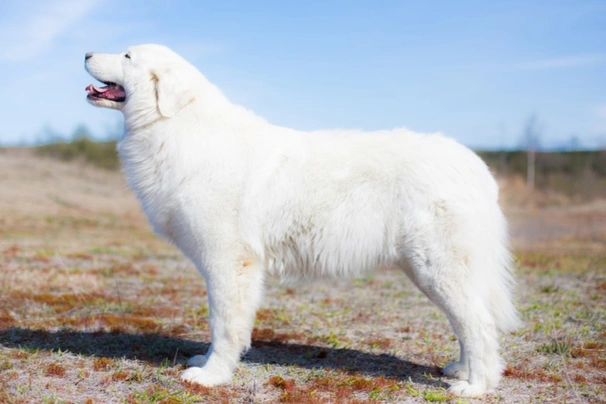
(36, 26)
(600, 110)
(598, 126)
(600, 113)
(562, 63)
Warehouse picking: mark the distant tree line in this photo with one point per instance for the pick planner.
(81, 147)
(573, 172)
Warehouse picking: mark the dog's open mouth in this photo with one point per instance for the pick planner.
(111, 92)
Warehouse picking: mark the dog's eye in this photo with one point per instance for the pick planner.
(127, 56)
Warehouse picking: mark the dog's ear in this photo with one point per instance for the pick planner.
(172, 93)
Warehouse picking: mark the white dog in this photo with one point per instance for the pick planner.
(245, 199)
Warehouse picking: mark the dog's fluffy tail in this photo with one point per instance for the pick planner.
(492, 272)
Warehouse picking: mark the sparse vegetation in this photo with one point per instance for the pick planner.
(574, 173)
(81, 147)
(96, 309)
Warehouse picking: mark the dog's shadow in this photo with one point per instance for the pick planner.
(158, 349)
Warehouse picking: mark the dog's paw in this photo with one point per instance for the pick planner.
(464, 389)
(205, 376)
(197, 361)
(456, 370)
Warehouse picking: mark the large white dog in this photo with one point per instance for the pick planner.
(245, 199)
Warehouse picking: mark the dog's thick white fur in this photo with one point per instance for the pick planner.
(245, 199)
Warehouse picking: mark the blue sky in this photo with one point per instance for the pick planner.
(474, 70)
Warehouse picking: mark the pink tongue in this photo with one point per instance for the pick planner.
(109, 92)
(91, 88)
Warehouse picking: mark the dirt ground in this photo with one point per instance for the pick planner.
(96, 309)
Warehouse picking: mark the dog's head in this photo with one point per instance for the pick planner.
(148, 79)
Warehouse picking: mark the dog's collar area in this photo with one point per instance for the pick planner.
(111, 92)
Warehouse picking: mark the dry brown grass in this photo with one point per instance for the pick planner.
(96, 309)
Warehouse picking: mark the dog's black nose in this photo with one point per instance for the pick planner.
(88, 55)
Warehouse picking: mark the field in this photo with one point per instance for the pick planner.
(96, 309)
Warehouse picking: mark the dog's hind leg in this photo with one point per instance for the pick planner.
(234, 293)
(445, 280)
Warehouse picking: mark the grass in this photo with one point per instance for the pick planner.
(110, 321)
(96, 309)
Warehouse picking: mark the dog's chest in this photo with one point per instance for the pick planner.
(151, 174)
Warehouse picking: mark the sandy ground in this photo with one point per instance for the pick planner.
(95, 308)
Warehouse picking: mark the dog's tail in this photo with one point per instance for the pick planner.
(492, 272)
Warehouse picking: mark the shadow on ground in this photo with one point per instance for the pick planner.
(158, 349)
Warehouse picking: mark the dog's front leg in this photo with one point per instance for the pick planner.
(234, 291)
